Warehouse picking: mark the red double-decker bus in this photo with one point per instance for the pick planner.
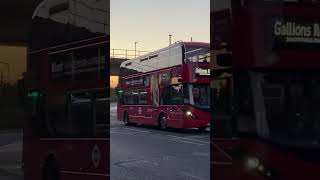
(66, 134)
(265, 90)
(167, 88)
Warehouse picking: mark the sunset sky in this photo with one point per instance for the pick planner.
(15, 56)
(149, 22)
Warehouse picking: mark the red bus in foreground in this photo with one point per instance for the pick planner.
(66, 134)
(167, 88)
(265, 90)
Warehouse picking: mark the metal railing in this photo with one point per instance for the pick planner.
(125, 53)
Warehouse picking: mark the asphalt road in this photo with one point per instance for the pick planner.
(10, 155)
(146, 153)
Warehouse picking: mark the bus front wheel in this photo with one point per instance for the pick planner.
(162, 122)
(126, 119)
(202, 129)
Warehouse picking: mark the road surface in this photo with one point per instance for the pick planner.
(146, 153)
(10, 155)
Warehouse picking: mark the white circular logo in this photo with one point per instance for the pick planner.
(96, 156)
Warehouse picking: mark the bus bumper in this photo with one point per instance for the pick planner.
(196, 123)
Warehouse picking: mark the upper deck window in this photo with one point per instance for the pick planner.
(197, 55)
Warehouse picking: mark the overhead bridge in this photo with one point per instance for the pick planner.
(117, 56)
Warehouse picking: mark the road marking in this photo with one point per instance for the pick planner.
(190, 139)
(15, 171)
(137, 130)
(201, 154)
(221, 150)
(84, 173)
(127, 130)
(221, 163)
(12, 131)
(121, 133)
(121, 163)
(190, 142)
(74, 139)
(12, 147)
(192, 176)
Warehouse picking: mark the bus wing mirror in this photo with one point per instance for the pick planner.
(224, 59)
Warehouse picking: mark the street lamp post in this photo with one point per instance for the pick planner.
(170, 35)
(135, 49)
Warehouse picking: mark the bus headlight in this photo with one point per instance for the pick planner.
(254, 164)
(190, 114)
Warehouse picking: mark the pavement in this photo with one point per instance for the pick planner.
(146, 153)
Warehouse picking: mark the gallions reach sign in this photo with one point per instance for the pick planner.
(293, 33)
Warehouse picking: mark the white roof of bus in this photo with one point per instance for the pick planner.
(152, 53)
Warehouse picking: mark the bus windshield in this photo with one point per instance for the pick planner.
(292, 102)
(197, 95)
(197, 55)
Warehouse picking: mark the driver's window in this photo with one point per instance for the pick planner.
(176, 94)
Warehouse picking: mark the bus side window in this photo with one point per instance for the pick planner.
(186, 96)
(143, 97)
(56, 117)
(128, 97)
(166, 96)
(135, 97)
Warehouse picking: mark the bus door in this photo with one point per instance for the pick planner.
(172, 98)
(175, 113)
(144, 110)
(134, 113)
(101, 113)
(100, 153)
(221, 125)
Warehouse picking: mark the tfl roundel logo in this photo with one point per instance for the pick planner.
(96, 156)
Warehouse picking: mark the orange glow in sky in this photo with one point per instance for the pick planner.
(114, 80)
(16, 57)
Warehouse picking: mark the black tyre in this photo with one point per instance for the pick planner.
(162, 122)
(202, 129)
(126, 119)
(50, 169)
